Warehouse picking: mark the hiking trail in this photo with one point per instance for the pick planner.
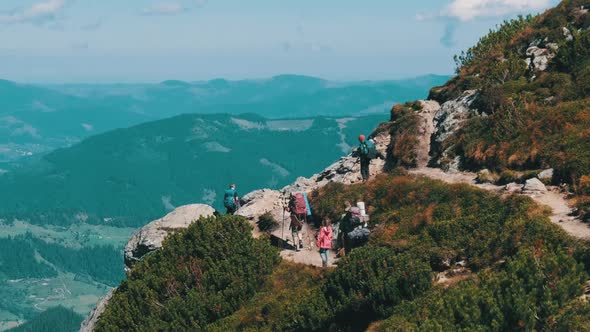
(553, 198)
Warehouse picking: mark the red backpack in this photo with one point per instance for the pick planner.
(297, 204)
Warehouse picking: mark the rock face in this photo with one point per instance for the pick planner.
(425, 130)
(90, 322)
(151, 236)
(447, 120)
(539, 58)
(534, 186)
(346, 171)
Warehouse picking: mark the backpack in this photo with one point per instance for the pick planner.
(371, 150)
(228, 199)
(297, 204)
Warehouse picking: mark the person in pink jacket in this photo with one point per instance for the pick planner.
(325, 241)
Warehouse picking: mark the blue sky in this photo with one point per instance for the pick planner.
(55, 41)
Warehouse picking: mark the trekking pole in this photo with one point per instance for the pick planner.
(283, 227)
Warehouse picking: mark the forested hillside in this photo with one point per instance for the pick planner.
(52, 320)
(131, 176)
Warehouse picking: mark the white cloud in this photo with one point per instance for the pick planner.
(39, 12)
(87, 126)
(168, 8)
(167, 202)
(466, 10)
(278, 169)
(209, 196)
(216, 147)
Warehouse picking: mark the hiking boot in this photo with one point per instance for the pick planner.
(324, 264)
(300, 244)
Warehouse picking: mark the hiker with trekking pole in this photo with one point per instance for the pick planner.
(367, 152)
(231, 201)
(298, 207)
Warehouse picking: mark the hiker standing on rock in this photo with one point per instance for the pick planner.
(231, 201)
(366, 152)
(364, 157)
(325, 241)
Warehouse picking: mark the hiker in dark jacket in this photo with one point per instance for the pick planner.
(363, 152)
(231, 201)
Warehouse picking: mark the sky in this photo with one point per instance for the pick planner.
(135, 41)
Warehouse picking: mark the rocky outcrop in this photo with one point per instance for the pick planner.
(151, 236)
(538, 58)
(89, 323)
(447, 121)
(426, 129)
(534, 186)
(346, 171)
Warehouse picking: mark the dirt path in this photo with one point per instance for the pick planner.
(552, 198)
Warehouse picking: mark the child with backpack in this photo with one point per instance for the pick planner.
(325, 241)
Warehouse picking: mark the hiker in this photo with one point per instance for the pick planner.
(353, 229)
(364, 157)
(231, 201)
(325, 241)
(299, 208)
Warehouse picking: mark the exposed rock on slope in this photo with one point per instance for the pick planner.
(90, 322)
(346, 171)
(447, 120)
(151, 236)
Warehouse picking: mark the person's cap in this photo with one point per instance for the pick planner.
(362, 138)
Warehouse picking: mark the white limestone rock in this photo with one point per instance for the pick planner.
(151, 236)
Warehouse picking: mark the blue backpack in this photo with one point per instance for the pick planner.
(228, 199)
(368, 149)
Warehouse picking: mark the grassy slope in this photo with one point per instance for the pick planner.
(418, 225)
(535, 119)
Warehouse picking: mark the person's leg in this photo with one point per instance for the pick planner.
(364, 169)
(295, 235)
(324, 255)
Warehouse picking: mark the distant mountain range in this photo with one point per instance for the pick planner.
(37, 119)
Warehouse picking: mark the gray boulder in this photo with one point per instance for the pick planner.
(534, 186)
(151, 236)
